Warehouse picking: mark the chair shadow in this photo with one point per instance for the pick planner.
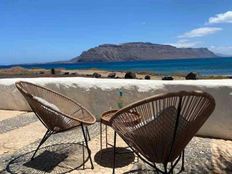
(123, 158)
(57, 158)
(46, 161)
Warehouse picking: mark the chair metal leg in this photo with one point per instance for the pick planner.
(106, 137)
(175, 163)
(165, 168)
(83, 151)
(171, 172)
(114, 155)
(86, 143)
(100, 135)
(182, 167)
(45, 137)
(87, 132)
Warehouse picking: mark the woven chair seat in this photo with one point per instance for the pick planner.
(166, 124)
(57, 112)
(159, 129)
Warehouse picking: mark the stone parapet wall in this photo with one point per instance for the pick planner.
(99, 95)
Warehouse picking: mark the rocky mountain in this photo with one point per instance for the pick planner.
(139, 51)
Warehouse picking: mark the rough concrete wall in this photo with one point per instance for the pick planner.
(99, 95)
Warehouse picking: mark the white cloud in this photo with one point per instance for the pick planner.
(184, 43)
(199, 32)
(226, 50)
(221, 18)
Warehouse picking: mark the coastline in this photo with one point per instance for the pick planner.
(20, 72)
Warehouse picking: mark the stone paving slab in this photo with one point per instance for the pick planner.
(17, 122)
(203, 155)
(18, 138)
(6, 114)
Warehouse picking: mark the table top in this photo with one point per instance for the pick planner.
(134, 118)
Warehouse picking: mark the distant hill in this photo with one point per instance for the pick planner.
(223, 55)
(139, 51)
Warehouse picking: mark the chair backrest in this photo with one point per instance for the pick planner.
(54, 110)
(167, 123)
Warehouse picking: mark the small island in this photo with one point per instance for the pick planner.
(134, 51)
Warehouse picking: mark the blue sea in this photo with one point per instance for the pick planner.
(202, 66)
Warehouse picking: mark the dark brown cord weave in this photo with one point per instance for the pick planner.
(153, 136)
(70, 113)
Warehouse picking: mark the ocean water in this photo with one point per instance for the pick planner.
(203, 66)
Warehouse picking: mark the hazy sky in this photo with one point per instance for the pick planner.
(50, 30)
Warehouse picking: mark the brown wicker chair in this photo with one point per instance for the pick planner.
(57, 112)
(168, 122)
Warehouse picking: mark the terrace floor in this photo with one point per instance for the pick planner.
(20, 133)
